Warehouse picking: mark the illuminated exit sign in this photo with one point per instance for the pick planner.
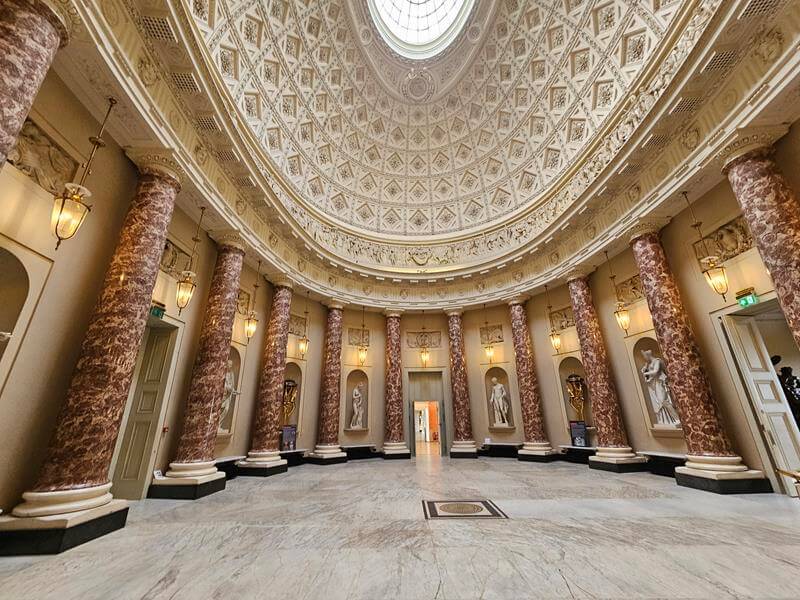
(747, 297)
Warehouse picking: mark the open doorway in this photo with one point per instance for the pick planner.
(144, 413)
(425, 394)
(768, 362)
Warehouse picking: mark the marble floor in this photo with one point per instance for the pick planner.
(357, 531)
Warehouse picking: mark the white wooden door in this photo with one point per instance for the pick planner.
(131, 472)
(770, 405)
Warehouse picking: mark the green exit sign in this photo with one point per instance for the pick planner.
(157, 311)
(747, 297)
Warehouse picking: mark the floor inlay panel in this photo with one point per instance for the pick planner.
(461, 509)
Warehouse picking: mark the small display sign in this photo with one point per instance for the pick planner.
(578, 433)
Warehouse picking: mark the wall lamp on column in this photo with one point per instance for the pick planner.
(186, 284)
(70, 207)
(555, 337)
(715, 273)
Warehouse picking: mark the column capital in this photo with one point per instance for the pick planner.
(335, 304)
(643, 227)
(393, 312)
(745, 140)
(578, 272)
(282, 280)
(62, 15)
(520, 299)
(160, 162)
(231, 238)
(456, 311)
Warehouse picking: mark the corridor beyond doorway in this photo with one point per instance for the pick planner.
(426, 429)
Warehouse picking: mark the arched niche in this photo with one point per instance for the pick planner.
(14, 288)
(571, 366)
(356, 399)
(500, 410)
(292, 394)
(230, 397)
(657, 403)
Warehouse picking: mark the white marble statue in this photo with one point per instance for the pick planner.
(228, 395)
(656, 379)
(357, 420)
(499, 401)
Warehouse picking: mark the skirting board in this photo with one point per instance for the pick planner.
(186, 492)
(54, 541)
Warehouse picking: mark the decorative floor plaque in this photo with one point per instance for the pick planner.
(462, 509)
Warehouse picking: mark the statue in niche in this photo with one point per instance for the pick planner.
(577, 395)
(289, 398)
(656, 379)
(499, 402)
(357, 420)
(228, 394)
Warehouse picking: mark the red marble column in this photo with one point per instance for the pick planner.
(74, 475)
(30, 35)
(772, 211)
(195, 455)
(612, 444)
(536, 443)
(264, 454)
(394, 444)
(327, 448)
(463, 442)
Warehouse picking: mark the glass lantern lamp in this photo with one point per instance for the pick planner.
(185, 290)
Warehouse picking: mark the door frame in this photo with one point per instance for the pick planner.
(766, 302)
(174, 350)
(445, 408)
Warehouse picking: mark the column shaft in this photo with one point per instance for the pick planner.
(30, 35)
(462, 417)
(688, 384)
(330, 392)
(266, 434)
(80, 450)
(394, 442)
(530, 399)
(203, 403)
(606, 412)
(772, 211)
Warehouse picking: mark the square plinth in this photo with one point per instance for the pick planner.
(724, 486)
(255, 470)
(188, 491)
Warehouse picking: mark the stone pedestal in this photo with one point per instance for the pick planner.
(194, 458)
(709, 451)
(536, 448)
(264, 457)
(30, 35)
(74, 475)
(327, 450)
(463, 442)
(613, 451)
(394, 445)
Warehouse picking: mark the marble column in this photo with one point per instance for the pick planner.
(30, 34)
(193, 466)
(463, 442)
(75, 473)
(264, 456)
(327, 450)
(612, 444)
(394, 444)
(536, 447)
(709, 452)
(772, 211)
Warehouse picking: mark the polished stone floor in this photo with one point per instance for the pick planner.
(357, 530)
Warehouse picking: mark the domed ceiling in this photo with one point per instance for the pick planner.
(389, 148)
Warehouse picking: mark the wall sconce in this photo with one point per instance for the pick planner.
(303, 342)
(621, 314)
(251, 322)
(69, 207)
(362, 347)
(715, 273)
(186, 284)
(489, 347)
(424, 351)
(555, 337)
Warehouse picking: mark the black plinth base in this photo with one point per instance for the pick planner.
(501, 450)
(725, 486)
(262, 471)
(292, 457)
(54, 541)
(186, 492)
(360, 452)
(229, 468)
(315, 460)
(619, 467)
(397, 456)
(463, 455)
(576, 455)
(543, 458)
(659, 465)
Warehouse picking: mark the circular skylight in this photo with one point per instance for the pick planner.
(419, 28)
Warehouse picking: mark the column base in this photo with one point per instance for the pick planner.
(326, 454)
(747, 481)
(262, 464)
(617, 460)
(464, 449)
(52, 534)
(396, 451)
(186, 488)
(537, 452)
